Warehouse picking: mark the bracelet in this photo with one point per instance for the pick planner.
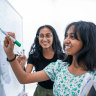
(11, 59)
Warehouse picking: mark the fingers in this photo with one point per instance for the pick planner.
(9, 41)
(6, 42)
(20, 58)
(25, 57)
(11, 34)
(22, 61)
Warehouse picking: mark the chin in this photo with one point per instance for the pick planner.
(68, 53)
(45, 47)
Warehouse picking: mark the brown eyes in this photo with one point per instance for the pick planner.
(70, 36)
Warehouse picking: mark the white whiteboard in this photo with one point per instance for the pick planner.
(10, 21)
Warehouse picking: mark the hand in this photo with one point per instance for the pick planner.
(9, 45)
(22, 61)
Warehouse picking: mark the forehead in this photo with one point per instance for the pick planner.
(45, 30)
(70, 30)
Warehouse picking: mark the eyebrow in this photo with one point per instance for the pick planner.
(71, 33)
(45, 34)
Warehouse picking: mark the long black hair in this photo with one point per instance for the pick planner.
(87, 33)
(36, 48)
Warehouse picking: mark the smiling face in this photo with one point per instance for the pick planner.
(72, 45)
(45, 38)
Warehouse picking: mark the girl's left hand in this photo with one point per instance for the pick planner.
(22, 61)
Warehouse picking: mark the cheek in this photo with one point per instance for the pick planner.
(79, 46)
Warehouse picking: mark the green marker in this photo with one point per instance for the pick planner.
(15, 41)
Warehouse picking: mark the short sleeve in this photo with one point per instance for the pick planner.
(30, 59)
(52, 69)
(94, 77)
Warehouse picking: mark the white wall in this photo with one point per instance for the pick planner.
(58, 13)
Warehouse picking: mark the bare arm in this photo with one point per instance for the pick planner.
(25, 77)
(29, 68)
(22, 76)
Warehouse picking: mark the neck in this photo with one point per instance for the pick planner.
(48, 53)
(76, 69)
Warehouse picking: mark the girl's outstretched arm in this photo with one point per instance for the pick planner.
(25, 77)
(21, 75)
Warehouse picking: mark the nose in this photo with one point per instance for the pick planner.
(44, 38)
(67, 41)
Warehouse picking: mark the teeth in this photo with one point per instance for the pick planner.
(68, 47)
(45, 43)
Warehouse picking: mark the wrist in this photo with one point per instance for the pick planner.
(11, 58)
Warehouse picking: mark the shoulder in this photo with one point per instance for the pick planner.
(58, 64)
(30, 55)
(54, 68)
(94, 75)
(61, 63)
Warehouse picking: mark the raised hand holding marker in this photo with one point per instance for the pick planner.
(14, 40)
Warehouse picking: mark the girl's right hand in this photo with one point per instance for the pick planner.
(9, 45)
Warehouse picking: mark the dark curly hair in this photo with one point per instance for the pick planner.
(87, 33)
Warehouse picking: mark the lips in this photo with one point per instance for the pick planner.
(67, 47)
(44, 43)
